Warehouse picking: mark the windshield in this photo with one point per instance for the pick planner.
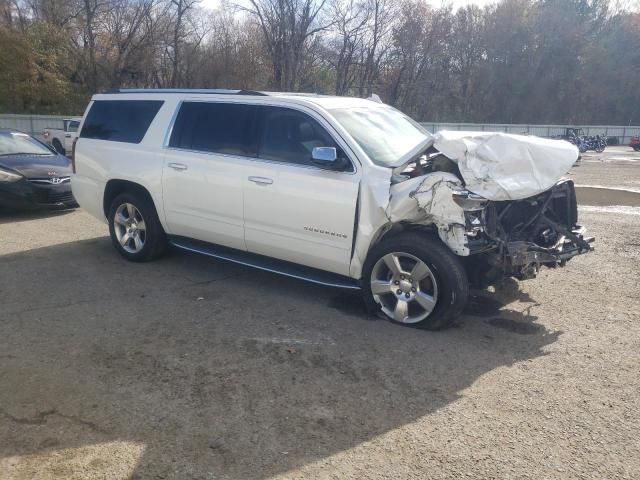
(384, 133)
(12, 143)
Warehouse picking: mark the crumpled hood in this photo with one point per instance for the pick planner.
(501, 166)
(37, 166)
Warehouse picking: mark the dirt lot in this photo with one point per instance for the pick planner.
(193, 368)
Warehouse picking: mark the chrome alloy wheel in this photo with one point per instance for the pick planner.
(404, 287)
(130, 228)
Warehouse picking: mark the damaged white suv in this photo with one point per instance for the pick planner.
(340, 191)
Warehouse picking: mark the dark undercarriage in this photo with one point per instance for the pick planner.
(516, 238)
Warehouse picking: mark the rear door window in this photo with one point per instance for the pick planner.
(226, 128)
(120, 120)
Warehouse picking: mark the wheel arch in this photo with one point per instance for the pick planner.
(115, 187)
(402, 228)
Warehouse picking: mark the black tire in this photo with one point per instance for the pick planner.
(450, 277)
(57, 146)
(155, 241)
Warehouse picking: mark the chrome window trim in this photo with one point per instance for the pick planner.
(256, 159)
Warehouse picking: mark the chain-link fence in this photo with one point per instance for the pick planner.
(619, 134)
(34, 124)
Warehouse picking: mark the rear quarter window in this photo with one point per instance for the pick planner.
(120, 120)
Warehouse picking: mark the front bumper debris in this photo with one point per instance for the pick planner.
(515, 239)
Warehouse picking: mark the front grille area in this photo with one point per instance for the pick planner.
(50, 181)
(47, 196)
(520, 219)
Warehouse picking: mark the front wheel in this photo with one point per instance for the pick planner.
(413, 279)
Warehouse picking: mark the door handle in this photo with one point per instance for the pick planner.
(68, 135)
(177, 166)
(261, 180)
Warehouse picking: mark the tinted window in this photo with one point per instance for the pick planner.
(290, 136)
(73, 126)
(215, 127)
(120, 120)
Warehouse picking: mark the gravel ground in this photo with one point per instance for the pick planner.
(192, 368)
(616, 167)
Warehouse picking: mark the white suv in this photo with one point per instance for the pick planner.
(340, 191)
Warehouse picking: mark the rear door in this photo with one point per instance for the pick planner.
(294, 210)
(203, 175)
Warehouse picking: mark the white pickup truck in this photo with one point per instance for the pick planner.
(62, 138)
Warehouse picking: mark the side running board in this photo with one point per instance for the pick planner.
(268, 264)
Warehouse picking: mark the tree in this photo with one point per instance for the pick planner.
(287, 26)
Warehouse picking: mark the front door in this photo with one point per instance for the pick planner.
(294, 210)
(203, 174)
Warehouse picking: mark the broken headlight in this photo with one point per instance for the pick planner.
(469, 201)
(473, 206)
(7, 176)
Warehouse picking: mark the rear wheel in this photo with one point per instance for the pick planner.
(414, 280)
(135, 229)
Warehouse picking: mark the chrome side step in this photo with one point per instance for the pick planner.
(267, 264)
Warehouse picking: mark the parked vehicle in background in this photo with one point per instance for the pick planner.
(571, 133)
(62, 138)
(32, 174)
(574, 136)
(595, 142)
(339, 191)
(635, 143)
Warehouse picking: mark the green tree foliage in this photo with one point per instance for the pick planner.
(519, 61)
(32, 77)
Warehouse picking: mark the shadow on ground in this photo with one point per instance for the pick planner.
(218, 370)
(28, 215)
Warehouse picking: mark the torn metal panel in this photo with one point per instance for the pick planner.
(501, 166)
(373, 201)
(493, 167)
(429, 200)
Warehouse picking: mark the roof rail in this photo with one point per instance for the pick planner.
(216, 91)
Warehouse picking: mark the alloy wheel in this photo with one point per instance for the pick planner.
(130, 228)
(404, 286)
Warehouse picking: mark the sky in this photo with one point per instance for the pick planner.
(456, 3)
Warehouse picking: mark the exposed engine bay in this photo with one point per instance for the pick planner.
(498, 237)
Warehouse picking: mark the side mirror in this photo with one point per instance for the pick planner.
(327, 158)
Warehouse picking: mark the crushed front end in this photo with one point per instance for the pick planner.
(515, 238)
